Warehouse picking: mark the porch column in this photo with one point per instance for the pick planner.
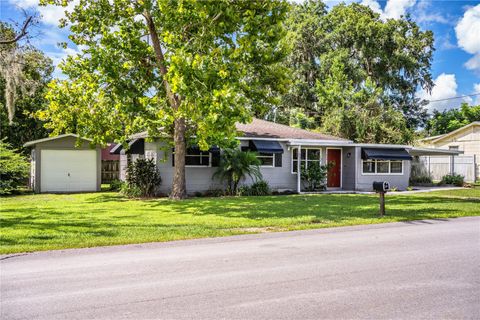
(299, 160)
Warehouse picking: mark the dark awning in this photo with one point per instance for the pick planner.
(212, 148)
(385, 154)
(266, 146)
(136, 146)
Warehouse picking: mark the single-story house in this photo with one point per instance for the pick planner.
(282, 150)
(465, 139)
(65, 163)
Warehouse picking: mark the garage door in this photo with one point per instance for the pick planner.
(68, 170)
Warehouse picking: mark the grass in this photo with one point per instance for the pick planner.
(48, 221)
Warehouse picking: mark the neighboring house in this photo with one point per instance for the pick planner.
(356, 165)
(466, 139)
(65, 163)
(110, 164)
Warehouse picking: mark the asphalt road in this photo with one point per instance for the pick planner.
(422, 269)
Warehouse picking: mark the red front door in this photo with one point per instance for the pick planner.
(333, 178)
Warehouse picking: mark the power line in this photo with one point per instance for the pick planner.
(452, 98)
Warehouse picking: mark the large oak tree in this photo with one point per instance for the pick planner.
(191, 69)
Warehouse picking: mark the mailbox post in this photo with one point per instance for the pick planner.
(381, 188)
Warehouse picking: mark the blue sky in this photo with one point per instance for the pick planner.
(456, 26)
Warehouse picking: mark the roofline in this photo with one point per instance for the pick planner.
(434, 151)
(474, 123)
(33, 142)
(290, 140)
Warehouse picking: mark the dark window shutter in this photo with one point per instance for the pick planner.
(173, 157)
(244, 148)
(278, 159)
(215, 158)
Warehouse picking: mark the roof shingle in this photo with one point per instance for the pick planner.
(265, 129)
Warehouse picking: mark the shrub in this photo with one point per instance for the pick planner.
(315, 176)
(116, 185)
(455, 179)
(14, 169)
(236, 165)
(421, 179)
(143, 178)
(259, 188)
(214, 193)
(131, 191)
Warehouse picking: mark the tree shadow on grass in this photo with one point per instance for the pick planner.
(334, 208)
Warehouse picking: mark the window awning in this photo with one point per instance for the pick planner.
(136, 146)
(212, 148)
(385, 154)
(266, 146)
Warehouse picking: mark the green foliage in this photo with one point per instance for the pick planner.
(357, 74)
(315, 176)
(455, 179)
(143, 178)
(421, 179)
(235, 166)
(220, 62)
(25, 73)
(14, 169)
(450, 120)
(214, 193)
(419, 174)
(259, 188)
(116, 185)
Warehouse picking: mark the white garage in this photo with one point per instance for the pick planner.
(65, 164)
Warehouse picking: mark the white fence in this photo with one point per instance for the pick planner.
(438, 166)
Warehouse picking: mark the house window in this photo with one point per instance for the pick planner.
(382, 166)
(266, 159)
(396, 166)
(308, 155)
(369, 166)
(195, 158)
(453, 147)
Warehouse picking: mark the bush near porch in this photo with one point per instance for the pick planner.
(48, 221)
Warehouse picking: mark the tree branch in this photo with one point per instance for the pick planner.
(22, 33)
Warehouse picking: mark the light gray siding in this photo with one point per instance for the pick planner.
(348, 168)
(65, 143)
(199, 179)
(364, 182)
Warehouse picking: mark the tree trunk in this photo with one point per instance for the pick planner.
(178, 188)
(178, 183)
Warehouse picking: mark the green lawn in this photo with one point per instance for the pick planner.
(42, 222)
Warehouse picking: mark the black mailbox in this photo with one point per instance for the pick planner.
(381, 186)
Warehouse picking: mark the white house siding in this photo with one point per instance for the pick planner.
(467, 141)
(365, 182)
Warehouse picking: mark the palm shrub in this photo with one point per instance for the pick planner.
(235, 165)
(14, 169)
(142, 178)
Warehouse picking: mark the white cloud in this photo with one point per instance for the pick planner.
(473, 63)
(468, 36)
(373, 4)
(445, 88)
(424, 14)
(394, 9)
(397, 8)
(50, 14)
(476, 89)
